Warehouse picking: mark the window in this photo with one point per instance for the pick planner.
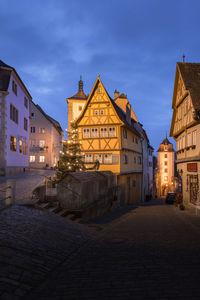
(42, 143)
(103, 132)
(125, 133)
(14, 87)
(25, 102)
(183, 142)
(80, 108)
(42, 158)
(32, 158)
(24, 148)
(41, 130)
(99, 90)
(96, 112)
(166, 170)
(133, 139)
(112, 131)
(98, 157)
(189, 139)
(136, 140)
(165, 148)
(13, 143)
(20, 146)
(134, 160)
(32, 143)
(25, 124)
(33, 129)
(139, 160)
(94, 132)
(88, 158)
(125, 159)
(165, 163)
(32, 115)
(194, 137)
(165, 178)
(13, 114)
(107, 158)
(186, 106)
(165, 155)
(102, 112)
(86, 133)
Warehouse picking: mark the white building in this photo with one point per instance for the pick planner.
(14, 121)
(45, 139)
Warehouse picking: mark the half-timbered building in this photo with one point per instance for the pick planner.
(109, 135)
(185, 128)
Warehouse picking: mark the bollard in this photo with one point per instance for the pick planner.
(10, 192)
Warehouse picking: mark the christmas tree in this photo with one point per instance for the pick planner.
(71, 159)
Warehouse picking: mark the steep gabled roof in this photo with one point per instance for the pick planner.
(55, 123)
(120, 113)
(190, 73)
(5, 72)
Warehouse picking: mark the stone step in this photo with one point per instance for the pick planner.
(63, 212)
(44, 205)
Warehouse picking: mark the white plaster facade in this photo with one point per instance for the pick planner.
(14, 120)
(45, 139)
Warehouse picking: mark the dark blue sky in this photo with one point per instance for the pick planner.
(134, 46)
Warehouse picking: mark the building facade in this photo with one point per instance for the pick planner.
(109, 134)
(185, 128)
(14, 121)
(45, 139)
(165, 168)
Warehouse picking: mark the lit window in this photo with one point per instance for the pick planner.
(20, 146)
(88, 158)
(41, 130)
(112, 131)
(103, 132)
(107, 158)
(42, 143)
(165, 178)
(24, 148)
(86, 133)
(98, 157)
(42, 158)
(13, 143)
(32, 158)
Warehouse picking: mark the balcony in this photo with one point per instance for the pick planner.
(38, 149)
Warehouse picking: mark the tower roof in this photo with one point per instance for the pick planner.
(80, 95)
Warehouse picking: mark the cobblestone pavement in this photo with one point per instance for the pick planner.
(144, 252)
(25, 183)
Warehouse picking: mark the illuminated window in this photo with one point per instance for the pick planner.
(88, 158)
(165, 178)
(94, 132)
(32, 158)
(41, 130)
(42, 143)
(25, 148)
(42, 158)
(13, 143)
(107, 158)
(112, 131)
(86, 133)
(98, 157)
(103, 132)
(20, 146)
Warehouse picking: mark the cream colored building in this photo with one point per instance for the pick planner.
(185, 128)
(109, 134)
(165, 168)
(45, 140)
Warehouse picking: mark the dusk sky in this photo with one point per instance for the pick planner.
(133, 45)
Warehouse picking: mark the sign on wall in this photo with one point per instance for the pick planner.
(192, 167)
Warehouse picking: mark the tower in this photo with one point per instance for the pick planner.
(76, 103)
(165, 172)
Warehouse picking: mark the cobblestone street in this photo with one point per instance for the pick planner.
(145, 252)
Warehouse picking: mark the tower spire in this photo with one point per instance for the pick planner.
(183, 57)
(80, 84)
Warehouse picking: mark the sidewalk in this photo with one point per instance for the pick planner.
(25, 183)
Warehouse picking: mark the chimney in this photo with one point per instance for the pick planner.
(128, 113)
(116, 94)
